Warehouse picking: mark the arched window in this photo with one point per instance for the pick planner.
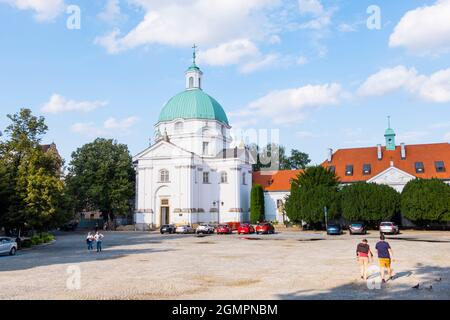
(191, 82)
(164, 175)
(223, 177)
(200, 83)
(179, 126)
(244, 178)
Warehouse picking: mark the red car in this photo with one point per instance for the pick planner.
(224, 229)
(246, 229)
(265, 228)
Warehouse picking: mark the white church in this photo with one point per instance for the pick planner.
(190, 175)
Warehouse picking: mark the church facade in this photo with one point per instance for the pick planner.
(190, 175)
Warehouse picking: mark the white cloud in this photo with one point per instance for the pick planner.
(112, 13)
(433, 88)
(424, 30)
(292, 105)
(110, 128)
(45, 10)
(241, 51)
(59, 104)
(182, 23)
(345, 27)
(310, 7)
(232, 52)
(302, 60)
(388, 80)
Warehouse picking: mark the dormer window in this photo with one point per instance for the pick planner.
(332, 169)
(440, 166)
(367, 169)
(419, 167)
(349, 170)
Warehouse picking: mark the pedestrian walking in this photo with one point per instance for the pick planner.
(99, 239)
(363, 256)
(385, 256)
(89, 241)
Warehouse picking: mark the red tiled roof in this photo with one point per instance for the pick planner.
(275, 180)
(426, 153)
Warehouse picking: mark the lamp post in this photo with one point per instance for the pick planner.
(325, 210)
(218, 209)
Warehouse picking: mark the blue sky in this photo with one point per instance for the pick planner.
(312, 69)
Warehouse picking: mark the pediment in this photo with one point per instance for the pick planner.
(392, 175)
(162, 150)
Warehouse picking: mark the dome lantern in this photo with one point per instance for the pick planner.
(193, 74)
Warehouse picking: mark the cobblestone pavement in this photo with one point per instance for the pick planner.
(288, 265)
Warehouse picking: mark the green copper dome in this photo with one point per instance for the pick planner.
(193, 104)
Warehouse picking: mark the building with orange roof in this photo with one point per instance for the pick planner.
(391, 164)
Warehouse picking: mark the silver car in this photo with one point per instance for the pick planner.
(8, 246)
(389, 227)
(205, 229)
(185, 229)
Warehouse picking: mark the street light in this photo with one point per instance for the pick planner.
(218, 209)
(325, 210)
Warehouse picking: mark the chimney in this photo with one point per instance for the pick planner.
(330, 155)
(403, 151)
(379, 152)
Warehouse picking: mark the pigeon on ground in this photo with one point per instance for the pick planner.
(416, 287)
(430, 288)
(438, 279)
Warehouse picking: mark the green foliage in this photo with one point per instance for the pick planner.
(273, 157)
(312, 191)
(30, 179)
(424, 201)
(102, 177)
(41, 238)
(369, 202)
(257, 204)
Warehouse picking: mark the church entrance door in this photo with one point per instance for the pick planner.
(165, 212)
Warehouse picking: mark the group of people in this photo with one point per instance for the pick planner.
(98, 238)
(364, 255)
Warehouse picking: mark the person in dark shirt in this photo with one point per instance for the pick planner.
(385, 256)
(363, 255)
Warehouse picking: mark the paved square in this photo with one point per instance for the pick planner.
(287, 265)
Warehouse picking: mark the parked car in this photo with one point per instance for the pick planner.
(389, 227)
(185, 229)
(334, 229)
(265, 228)
(8, 246)
(205, 229)
(167, 228)
(357, 228)
(224, 229)
(246, 228)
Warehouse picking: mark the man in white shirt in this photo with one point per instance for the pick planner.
(98, 239)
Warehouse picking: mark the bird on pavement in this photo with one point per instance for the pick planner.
(416, 287)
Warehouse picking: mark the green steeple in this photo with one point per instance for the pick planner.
(390, 136)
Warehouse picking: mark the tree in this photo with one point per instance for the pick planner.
(102, 177)
(257, 204)
(273, 156)
(369, 202)
(425, 201)
(297, 160)
(30, 178)
(312, 191)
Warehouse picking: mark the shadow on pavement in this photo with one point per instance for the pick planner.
(434, 284)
